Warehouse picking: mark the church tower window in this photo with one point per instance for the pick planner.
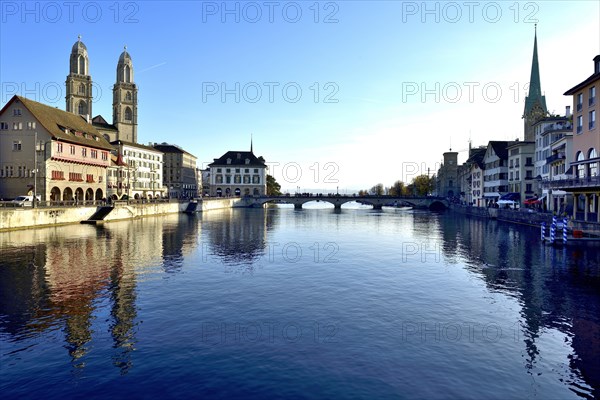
(82, 108)
(128, 116)
(81, 69)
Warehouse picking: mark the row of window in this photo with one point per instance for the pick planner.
(22, 171)
(543, 170)
(144, 164)
(590, 169)
(495, 177)
(591, 121)
(559, 169)
(246, 161)
(9, 171)
(84, 151)
(18, 126)
(591, 98)
(495, 164)
(528, 162)
(237, 170)
(237, 179)
(516, 176)
(139, 154)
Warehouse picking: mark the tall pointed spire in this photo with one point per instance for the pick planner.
(535, 102)
(251, 151)
(535, 85)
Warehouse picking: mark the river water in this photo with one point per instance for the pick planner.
(312, 303)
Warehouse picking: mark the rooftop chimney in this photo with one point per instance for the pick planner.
(597, 64)
(568, 111)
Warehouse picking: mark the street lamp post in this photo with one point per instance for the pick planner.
(36, 147)
(34, 169)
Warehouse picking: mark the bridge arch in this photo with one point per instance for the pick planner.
(437, 206)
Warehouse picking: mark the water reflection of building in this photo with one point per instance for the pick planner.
(178, 240)
(237, 235)
(66, 277)
(557, 288)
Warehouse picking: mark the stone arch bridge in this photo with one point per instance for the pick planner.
(425, 202)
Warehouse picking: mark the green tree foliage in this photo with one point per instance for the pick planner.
(398, 189)
(273, 188)
(377, 190)
(422, 185)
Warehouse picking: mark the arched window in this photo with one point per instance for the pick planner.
(128, 96)
(128, 116)
(81, 88)
(593, 166)
(127, 74)
(580, 167)
(82, 108)
(81, 65)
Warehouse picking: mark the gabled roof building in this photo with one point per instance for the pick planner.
(69, 154)
(238, 173)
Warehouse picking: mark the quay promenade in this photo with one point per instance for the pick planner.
(47, 214)
(524, 216)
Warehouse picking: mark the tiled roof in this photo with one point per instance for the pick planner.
(477, 156)
(500, 148)
(170, 148)
(239, 158)
(99, 122)
(55, 121)
(131, 144)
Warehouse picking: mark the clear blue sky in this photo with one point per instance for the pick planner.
(370, 60)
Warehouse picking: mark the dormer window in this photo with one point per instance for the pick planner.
(247, 161)
(229, 161)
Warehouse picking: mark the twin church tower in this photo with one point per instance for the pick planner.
(79, 95)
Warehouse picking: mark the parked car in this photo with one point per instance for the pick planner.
(25, 201)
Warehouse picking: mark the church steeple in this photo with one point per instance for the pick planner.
(79, 82)
(535, 103)
(125, 100)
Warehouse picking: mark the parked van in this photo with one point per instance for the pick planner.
(25, 201)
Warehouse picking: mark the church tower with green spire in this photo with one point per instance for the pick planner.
(535, 103)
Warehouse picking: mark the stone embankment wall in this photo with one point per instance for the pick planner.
(26, 217)
(525, 217)
(516, 216)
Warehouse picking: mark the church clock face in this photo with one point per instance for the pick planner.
(537, 113)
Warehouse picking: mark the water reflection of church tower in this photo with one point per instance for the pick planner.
(123, 311)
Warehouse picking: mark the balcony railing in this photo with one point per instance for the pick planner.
(591, 181)
(554, 157)
(559, 126)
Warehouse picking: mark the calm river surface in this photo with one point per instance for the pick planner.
(313, 303)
